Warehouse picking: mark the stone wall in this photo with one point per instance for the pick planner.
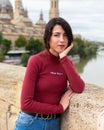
(11, 78)
(86, 110)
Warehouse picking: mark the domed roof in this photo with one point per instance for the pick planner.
(6, 10)
(5, 3)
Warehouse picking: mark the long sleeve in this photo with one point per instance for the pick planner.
(76, 83)
(28, 101)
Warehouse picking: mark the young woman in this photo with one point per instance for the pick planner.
(45, 94)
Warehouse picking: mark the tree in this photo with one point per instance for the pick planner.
(21, 41)
(83, 48)
(1, 56)
(34, 46)
(24, 59)
(1, 37)
(6, 45)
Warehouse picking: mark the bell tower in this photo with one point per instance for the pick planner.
(18, 8)
(54, 9)
(18, 4)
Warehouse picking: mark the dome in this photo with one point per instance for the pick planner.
(6, 11)
(5, 3)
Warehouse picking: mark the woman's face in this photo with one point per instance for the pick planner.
(58, 40)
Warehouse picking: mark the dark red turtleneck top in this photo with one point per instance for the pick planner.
(45, 82)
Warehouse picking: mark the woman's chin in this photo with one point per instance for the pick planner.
(60, 51)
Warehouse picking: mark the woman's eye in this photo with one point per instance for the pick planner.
(56, 35)
(60, 35)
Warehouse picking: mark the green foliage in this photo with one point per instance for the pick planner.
(83, 48)
(6, 45)
(1, 37)
(1, 56)
(21, 41)
(34, 46)
(24, 59)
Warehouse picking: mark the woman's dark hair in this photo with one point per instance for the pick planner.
(49, 27)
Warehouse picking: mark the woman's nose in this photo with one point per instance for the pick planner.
(61, 38)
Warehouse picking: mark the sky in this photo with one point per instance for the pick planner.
(86, 17)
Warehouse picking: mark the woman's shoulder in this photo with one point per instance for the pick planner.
(38, 57)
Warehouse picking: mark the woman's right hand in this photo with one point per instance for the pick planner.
(65, 99)
(66, 51)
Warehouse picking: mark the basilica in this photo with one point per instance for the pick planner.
(17, 22)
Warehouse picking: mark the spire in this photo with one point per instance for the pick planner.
(41, 20)
(54, 9)
(41, 16)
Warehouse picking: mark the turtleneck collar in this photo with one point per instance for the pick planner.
(53, 57)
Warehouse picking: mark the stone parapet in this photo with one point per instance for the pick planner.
(11, 78)
(86, 110)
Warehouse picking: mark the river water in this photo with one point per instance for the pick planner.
(92, 70)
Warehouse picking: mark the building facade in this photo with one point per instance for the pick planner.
(17, 22)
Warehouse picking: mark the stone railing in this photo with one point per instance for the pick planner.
(86, 110)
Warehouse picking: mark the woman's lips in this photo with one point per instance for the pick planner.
(61, 46)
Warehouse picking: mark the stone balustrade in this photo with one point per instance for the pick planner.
(86, 110)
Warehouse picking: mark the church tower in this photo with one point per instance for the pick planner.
(21, 15)
(54, 9)
(18, 8)
(18, 4)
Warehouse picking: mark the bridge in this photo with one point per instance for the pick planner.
(86, 110)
